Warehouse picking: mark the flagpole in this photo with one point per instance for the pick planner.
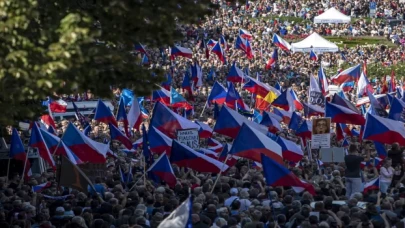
(53, 154)
(143, 177)
(206, 103)
(219, 174)
(144, 171)
(8, 169)
(23, 174)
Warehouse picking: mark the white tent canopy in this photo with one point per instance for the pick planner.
(332, 16)
(316, 43)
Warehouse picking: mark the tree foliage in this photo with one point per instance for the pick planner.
(49, 46)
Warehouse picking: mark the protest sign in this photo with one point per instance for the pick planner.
(320, 133)
(189, 137)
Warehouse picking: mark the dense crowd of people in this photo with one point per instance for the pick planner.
(240, 199)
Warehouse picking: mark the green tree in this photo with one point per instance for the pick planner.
(49, 46)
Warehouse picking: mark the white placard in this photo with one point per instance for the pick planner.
(320, 133)
(189, 137)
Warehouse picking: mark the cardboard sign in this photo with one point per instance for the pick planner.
(189, 137)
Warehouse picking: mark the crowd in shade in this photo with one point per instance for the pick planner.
(227, 140)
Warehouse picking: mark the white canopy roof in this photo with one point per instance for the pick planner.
(332, 16)
(316, 43)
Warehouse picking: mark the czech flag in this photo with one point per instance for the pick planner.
(345, 143)
(41, 187)
(134, 115)
(340, 114)
(48, 121)
(217, 95)
(85, 148)
(181, 217)
(229, 122)
(372, 185)
(339, 132)
(259, 88)
(307, 187)
(137, 144)
(52, 142)
(384, 130)
(346, 129)
(338, 100)
(276, 117)
(161, 95)
(122, 115)
(241, 44)
(350, 74)
(364, 86)
(186, 85)
(313, 56)
(211, 43)
(205, 130)
(273, 60)
(281, 43)
(277, 175)
(235, 74)
(223, 42)
(271, 123)
(161, 170)
(355, 132)
(313, 110)
(139, 47)
(17, 150)
(251, 143)
(207, 152)
(282, 102)
(285, 115)
(293, 99)
(180, 51)
(214, 145)
(116, 134)
(232, 97)
(380, 148)
(249, 51)
(184, 156)
(103, 114)
(52, 130)
(168, 121)
(36, 140)
(291, 151)
(70, 155)
(58, 106)
(217, 49)
(375, 106)
(397, 110)
(323, 82)
(245, 34)
(305, 130)
(159, 142)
